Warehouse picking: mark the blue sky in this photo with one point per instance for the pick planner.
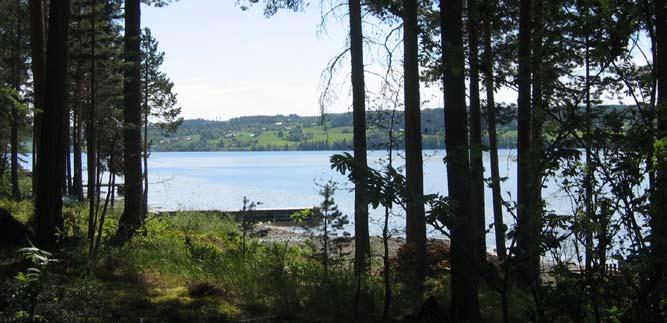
(226, 62)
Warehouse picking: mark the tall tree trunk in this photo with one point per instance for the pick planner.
(132, 212)
(464, 245)
(91, 133)
(77, 178)
(16, 69)
(67, 183)
(113, 189)
(499, 226)
(37, 42)
(48, 205)
(527, 251)
(476, 157)
(537, 116)
(588, 179)
(415, 218)
(147, 111)
(361, 241)
(145, 156)
(659, 220)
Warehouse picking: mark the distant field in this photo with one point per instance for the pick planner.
(294, 133)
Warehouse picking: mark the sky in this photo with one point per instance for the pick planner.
(226, 62)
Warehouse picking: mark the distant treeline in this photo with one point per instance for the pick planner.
(293, 132)
(333, 132)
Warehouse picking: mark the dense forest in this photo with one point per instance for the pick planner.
(83, 91)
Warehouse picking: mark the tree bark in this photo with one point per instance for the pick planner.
(476, 157)
(16, 69)
(132, 215)
(38, 74)
(67, 183)
(538, 110)
(415, 218)
(361, 240)
(48, 205)
(464, 244)
(659, 220)
(527, 251)
(499, 225)
(147, 111)
(91, 133)
(77, 177)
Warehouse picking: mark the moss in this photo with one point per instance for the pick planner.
(169, 295)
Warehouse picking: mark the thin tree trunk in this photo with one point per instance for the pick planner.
(48, 205)
(146, 114)
(77, 178)
(325, 255)
(91, 136)
(415, 218)
(538, 111)
(499, 226)
(476, 157)
(658, 220)
(38, 74)
(16, 69)
(132, 213)
(588, 179)
(464, 245)
(67, 183)
(14, 154)
(98, 239)
(527, 236)
(534, 208)
(113, 190)
(386, 270)
(361, 240)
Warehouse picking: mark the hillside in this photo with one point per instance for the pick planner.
(293, 132)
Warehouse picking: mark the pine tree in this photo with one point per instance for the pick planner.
(527, 226)
(658, 219)
(362, 245)
(48, 204)
(489, 84)
(476, 157)
(415, 217)
(464, 244)
(160, 105)
(133, 212)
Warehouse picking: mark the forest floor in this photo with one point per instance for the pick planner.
(196, 268)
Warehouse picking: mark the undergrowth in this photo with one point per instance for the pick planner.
(192, 267)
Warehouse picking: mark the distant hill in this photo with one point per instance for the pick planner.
(293, 132)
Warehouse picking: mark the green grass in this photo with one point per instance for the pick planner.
(191, 267)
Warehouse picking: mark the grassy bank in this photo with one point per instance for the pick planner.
(192, 267)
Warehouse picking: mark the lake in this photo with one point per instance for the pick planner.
(289, 179)
(282, 179)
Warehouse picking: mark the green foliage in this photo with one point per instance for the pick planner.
(11, 103)
(31, 283)
(271, 7)
(160, 103)
(246, 225)
(292, 132)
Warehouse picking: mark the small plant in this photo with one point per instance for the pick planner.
(31, 283)
(333, 220)
(247, 226)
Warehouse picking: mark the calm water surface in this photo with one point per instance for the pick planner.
(289, 179)
(220, 180)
